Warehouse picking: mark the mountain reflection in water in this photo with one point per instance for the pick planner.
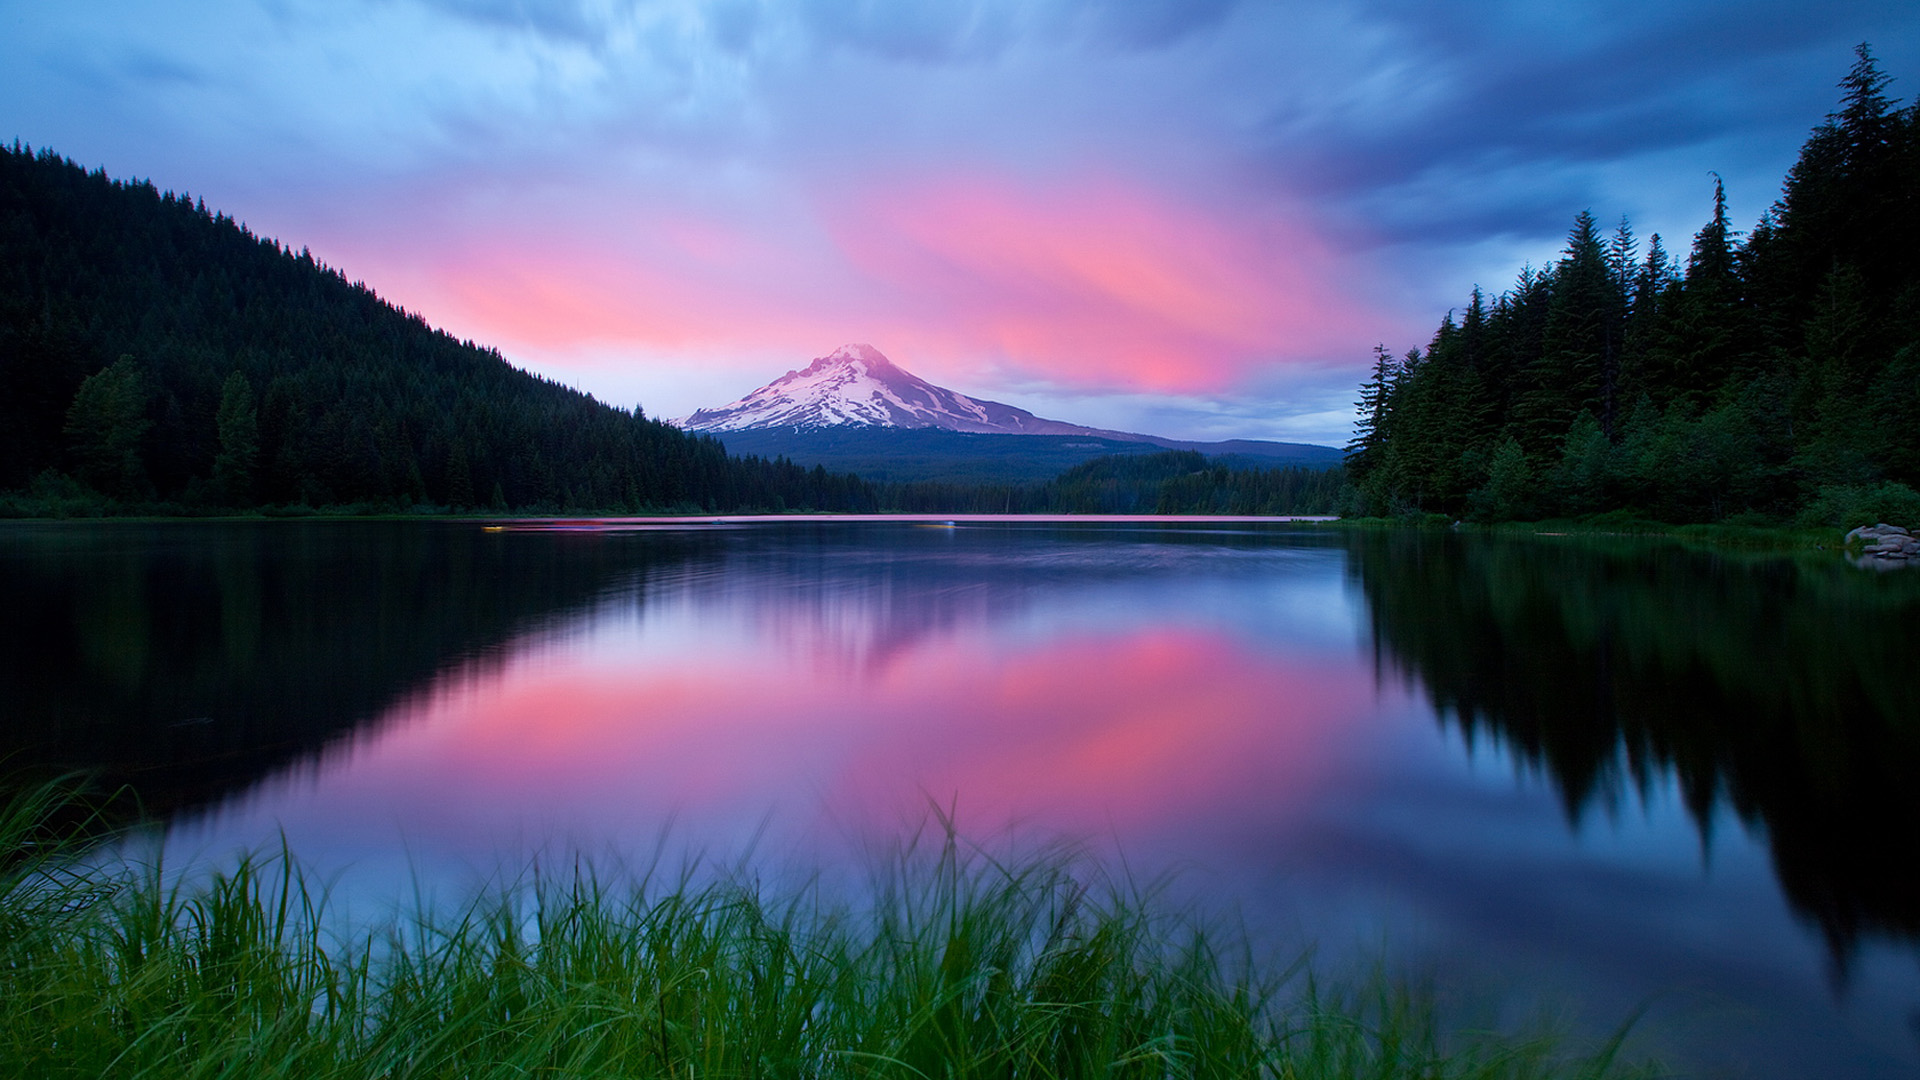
(1490, 749)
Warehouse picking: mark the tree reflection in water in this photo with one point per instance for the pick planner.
(185, 660)
(1783, 689)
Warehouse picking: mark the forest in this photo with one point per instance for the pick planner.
(1171, 482)
(1765, 378)
(157, 357)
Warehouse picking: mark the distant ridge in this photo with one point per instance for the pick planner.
(907, 455)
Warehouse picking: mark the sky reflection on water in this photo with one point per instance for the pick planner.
(1210, 702)
(828, 695)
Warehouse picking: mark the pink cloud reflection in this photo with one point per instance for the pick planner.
(1137, 733)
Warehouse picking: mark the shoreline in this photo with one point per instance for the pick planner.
(1749, 538)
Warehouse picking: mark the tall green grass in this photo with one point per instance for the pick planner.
(949, 964)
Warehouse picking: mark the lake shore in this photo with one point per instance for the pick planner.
(952, 962)
(1743, 537)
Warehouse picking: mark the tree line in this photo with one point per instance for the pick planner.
(1768, 377)
(1169, 482)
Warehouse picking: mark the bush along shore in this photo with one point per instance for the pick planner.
(950, 964)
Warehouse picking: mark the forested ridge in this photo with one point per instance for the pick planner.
(1169, 482)
(156, 355)
(1766, 377)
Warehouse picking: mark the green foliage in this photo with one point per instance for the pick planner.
(1509, 491)
(105, 426)
(952, 964)
(1851, 507)
(1775, 369)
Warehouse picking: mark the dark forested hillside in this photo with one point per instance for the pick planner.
(1769, 376)
(912, 455)
(1169, 482)
(156, 354)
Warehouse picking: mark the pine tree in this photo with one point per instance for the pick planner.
(1655, 284)
(1578, 364)
(1844, 201)
(1623, 256)
(1369, 431)
(1704, 345)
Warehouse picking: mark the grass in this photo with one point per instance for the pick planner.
(949, 964)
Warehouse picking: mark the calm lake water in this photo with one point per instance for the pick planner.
(1594, 776)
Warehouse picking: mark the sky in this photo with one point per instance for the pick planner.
(1190, 218)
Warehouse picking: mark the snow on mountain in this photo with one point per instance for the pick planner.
(856, 386)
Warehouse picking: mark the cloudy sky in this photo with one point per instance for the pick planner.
(1187, 217)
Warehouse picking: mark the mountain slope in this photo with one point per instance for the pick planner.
(857, 386)
(853, 409)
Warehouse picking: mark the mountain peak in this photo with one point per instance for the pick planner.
(861, 356)
(856, 385)
(856, 351)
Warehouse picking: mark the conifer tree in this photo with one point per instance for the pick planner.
(1369, 431)
(1704, 344)
(1577, 366)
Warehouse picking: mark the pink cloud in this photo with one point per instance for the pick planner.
(1099, 283)
(1088, 282)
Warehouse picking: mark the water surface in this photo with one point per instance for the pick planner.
(1600, 776)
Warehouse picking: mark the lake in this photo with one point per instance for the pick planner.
(1585, 776)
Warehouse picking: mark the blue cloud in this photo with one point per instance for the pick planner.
(1531, 84)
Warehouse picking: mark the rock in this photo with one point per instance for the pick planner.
(1884, 545)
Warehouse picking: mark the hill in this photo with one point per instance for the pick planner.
(158, 355)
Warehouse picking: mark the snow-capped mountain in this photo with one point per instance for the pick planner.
(856, 386)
